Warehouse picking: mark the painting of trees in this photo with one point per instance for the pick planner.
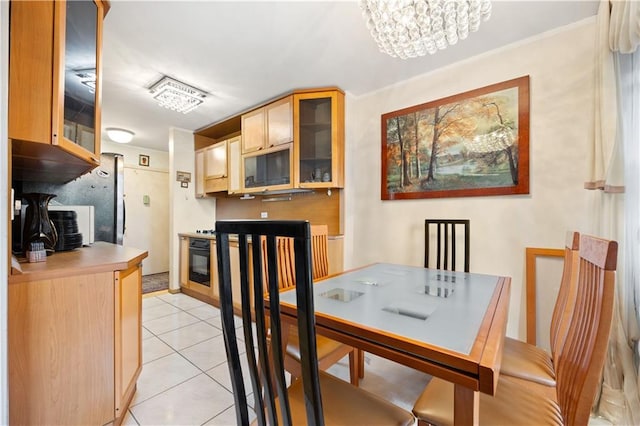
(474, 143)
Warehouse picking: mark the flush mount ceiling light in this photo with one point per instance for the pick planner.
(411, 28)
(119, 135)
(176, 95)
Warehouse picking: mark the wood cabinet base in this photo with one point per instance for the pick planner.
(74, 344)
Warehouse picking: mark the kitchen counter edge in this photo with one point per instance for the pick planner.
(213, 237)
(99, 257)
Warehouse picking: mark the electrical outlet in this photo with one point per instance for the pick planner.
(264, 215)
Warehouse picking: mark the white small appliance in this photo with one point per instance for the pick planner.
(86, 221)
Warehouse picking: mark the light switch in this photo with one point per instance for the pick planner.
(146, 200)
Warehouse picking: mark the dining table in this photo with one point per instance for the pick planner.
(447, 324)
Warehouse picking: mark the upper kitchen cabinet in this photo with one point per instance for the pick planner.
(233, 165)
(268, 127)
(217, 167)
(319, 138)
(199, 178)
(269, 170)
(54, 88)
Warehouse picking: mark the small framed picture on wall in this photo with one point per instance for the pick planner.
(143, 160)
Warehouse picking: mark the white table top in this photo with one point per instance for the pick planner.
(442, 308)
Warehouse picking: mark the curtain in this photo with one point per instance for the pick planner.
(604, 167)
(624, 34)
(619, 401)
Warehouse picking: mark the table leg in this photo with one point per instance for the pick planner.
(466, 404)
(354, 367)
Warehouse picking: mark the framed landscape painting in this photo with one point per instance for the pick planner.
(470, 144)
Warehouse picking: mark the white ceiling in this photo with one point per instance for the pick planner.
(244, 53)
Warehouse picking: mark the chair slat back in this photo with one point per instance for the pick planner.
(320, 250)
(445, 241)
(286, 256)
(579, 363)
(267, 373)
(566, 300)
(286, 278)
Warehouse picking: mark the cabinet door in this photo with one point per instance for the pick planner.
(268, 171)
(279, 122)
(215, 292)
(199, 179)
(319, 137)
(233, 166)
(55, 56)
(184, 262)
(253, 131)
(31, 100)
(215, 161)
(76, 95)
(60, 350)
(128, 332)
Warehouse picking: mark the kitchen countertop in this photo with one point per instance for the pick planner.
(98, 257)
(213, 237)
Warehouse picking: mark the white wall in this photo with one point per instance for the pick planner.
(187, 213)
(146, 225)
(560, 66)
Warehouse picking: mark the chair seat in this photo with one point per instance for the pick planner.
(324, 345)
(526, 361)
(344, 404)
(513, 404)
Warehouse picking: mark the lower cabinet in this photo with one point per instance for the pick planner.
(193, 288)
(184, 261)
(210, 294)
(128, 335)
(74, 343)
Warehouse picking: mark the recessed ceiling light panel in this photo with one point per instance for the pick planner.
(176, 95)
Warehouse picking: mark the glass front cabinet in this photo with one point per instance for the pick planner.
(268, 171)
(54, 81)
(319, 138)
(290, 144)
(80, 123)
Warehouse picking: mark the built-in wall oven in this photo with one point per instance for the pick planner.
(200, 261)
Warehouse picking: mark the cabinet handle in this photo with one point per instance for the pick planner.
(259, 148)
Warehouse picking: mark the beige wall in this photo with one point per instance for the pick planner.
(560, 68)
(146, 224)
(186, 212)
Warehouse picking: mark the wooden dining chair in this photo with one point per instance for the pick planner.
(318, 398)
(530, 362)
(578, 366)
(329, 351)
(443, 233)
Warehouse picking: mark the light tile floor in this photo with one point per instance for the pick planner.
(185, 379)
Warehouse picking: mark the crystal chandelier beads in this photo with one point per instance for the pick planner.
(176, 95)
(410, 28)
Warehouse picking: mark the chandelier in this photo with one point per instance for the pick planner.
(410, 28)
(176, 95)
